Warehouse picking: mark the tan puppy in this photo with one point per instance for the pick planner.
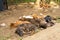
(14, 25)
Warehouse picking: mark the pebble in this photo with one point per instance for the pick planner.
(2, 24)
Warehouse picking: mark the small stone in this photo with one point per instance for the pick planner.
(3, 24)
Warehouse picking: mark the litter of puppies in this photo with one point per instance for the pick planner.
(29, 24)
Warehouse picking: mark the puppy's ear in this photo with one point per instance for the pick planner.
(12, 25)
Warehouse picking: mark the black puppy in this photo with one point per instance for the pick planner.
(25, 29)
(49, 21)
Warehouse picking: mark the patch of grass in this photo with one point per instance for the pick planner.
(10, 2)
(2, 38)
(58, 19)
(20, 38)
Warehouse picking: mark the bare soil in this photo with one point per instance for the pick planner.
(51, 33)
(12, 15)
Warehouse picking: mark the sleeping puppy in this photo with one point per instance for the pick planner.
(43, 24)
(49, 20)
(14, 25)
(26, 28)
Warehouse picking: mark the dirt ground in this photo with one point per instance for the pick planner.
(12, 15)
(52, 33)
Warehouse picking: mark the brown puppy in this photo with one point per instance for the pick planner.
(14, 25)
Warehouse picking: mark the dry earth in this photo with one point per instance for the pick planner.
(8, 16)
(51, 33)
